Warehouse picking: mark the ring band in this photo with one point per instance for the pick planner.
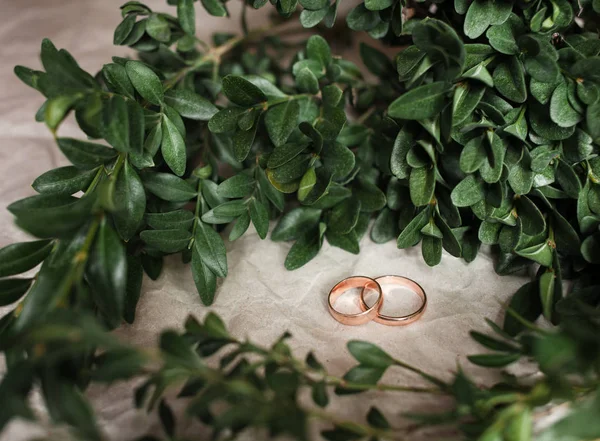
(368, 313)
(398, 320)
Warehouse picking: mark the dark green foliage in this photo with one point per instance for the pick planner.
(483, 130)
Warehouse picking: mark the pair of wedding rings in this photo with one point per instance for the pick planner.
(372, 312)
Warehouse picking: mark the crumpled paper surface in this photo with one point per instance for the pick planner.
(259, 299)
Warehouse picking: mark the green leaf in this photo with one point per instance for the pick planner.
(360, 375)
(318, 49)
(107, 273)
(431, 248)
(411, 235)
(116, 123)
(421, 102)
(133, 288)
(531, 217)
(190, 105)
(492, 343)
(293, 223)
(310, 19)
(137, 127)
(361, 19)
(117, 80)
(503, 37)
(130, 202)
(493, 360)
(284, 154)
(541, 253)
(20, 257)
(369, 355)
(145, 81)
(241, 91)
(403, 143)
(63, 181)
(187, 16)
(123, 30)
(344, 216)
(84, 154)
(468, 192)
(204, 279)
(465, 100)
(172, 220)
(260, 217)
(173, 147)
(168, 187)
(432, 230)
(590, 248)
(542, 67)
(281, 120)
(568, 179)
(12, 290)
(158, 28)
(370, 196)
(225, 120)
(592, 119)
(561, 111)
(243, 141)
(314, 5)
(509, 80)
(338, 160)
(331, 122)
(304, 250)
(240, 227)
(215, 8)
(209, 245)
(230, 208)
(271, 193)
(237, 186)
(57, 108)
(422, 185)
(347, 242)
(378, 5)
(307, 183)
(547, 293)
(46, 216)
(473, 155)
(167, 241)
(477, 18)
(489, 232)
(385, 227)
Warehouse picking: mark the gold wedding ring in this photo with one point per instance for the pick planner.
(368, 312)
(401, 320)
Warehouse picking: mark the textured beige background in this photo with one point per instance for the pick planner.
(259, 298)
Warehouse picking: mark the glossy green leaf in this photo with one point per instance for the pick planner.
(241, 91)
(167, 241)
(64, 181)
(190, 105)
(187, 16)
(107, 273)
(168, 187)
(12, 290)
(173, 147)
(259, 216)
(367, 354)
(281, 120)
(17, 258)
(130, 202)
(411, 234)
(209, 245)
(420, 103)
(422, 185)
(293, 223)
(145, 81)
